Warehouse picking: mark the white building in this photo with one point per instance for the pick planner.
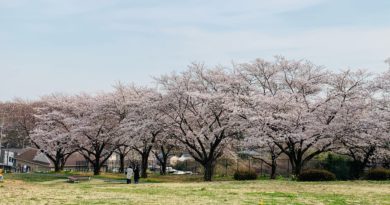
(7, 159)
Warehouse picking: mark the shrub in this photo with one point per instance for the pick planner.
(245, 175)
(337, 164)
(378, 174)
(316, 175)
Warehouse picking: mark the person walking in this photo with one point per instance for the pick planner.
(129, 174)
(136, 174)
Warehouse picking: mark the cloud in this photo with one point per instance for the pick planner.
(104, 41)
(334, 46)
(173, 11)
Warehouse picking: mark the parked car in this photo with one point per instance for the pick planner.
(178, 172)
(171, 170)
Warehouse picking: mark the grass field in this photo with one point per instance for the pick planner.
(109, 189)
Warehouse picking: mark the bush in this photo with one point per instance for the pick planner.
(245, 175)
(337, 164)
(378, 174)
(316, 175)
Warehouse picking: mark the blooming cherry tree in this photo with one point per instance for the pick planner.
(143, 124)
(195, 108)
(96, 128)
(53, 129)
(298, 103)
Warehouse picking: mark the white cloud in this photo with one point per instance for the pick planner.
(329, 46)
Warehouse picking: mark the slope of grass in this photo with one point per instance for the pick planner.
(178, 190)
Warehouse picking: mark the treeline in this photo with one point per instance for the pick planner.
(281, 107)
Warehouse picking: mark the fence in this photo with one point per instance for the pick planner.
(224, 166)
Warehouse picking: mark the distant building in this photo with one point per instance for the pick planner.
(32, 159)
(7, 159)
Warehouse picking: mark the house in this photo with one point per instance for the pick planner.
(31, 159)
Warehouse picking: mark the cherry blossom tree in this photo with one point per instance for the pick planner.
(195, 108)
(268, 151)
(363, 137)
(163, 148)
(123, 102)
(144, 124)
(53, 129)
(364, 123)
(96, 131)
(298, 102)
(258, 84)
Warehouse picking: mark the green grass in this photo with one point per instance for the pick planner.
(52, 189)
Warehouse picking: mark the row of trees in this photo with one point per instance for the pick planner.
(283, 107)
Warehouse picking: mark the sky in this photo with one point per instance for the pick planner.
(73, 46)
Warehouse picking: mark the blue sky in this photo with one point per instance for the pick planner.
(87, 45)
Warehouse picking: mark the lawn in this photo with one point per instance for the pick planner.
(108, 189)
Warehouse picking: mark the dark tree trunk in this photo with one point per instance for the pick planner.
(98, 163)
(163, 159)
(96, 166)
(144, 164)
(121, 163)
(145, 152)
(96, 170)
(57, 166)
(96, 156)
(208, 170)
(63, 161)
(57, 160)
(163, 168)
(273, 169)
(206, 152)
(297, 157)
(297, 168)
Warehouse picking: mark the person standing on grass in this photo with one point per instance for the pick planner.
(129, 174)
(136, 174)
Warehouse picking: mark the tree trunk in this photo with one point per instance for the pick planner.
(208, 171)
(96, 166)
(121, 163)
(163, 162)
(96, 169)
(144, 165)
(57, 166)
(273, 169)
(57, 161)
(63, 161)
(297, 168)
(163, 168)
